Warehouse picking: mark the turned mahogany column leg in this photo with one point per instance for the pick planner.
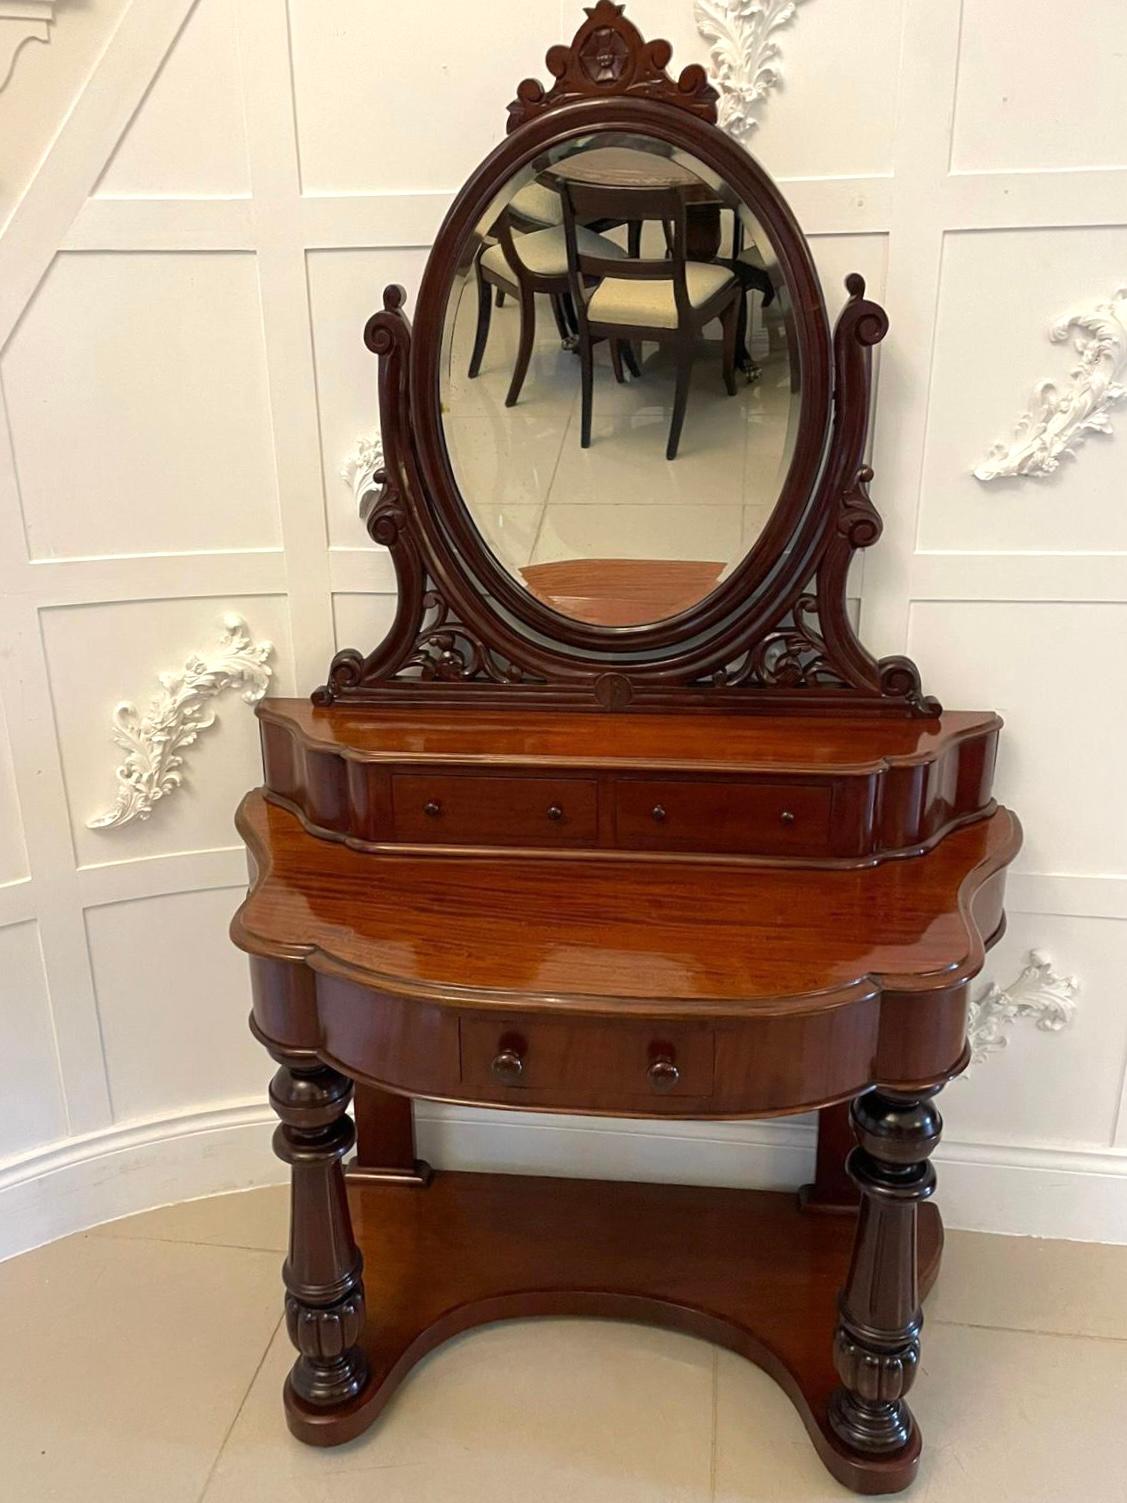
(876, 1344)
(322, 1274)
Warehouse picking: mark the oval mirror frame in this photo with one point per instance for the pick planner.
(775, 632)
(813, 353)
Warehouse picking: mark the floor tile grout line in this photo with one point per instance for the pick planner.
(185, 1242)
(238, 1412)
(981, 1325)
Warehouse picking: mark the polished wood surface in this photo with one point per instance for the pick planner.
(704, 939)
(733, 742)
(807, 789)
(628, 167)
(705, 1261)
(621, 591)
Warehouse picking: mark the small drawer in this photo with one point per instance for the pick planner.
(730, 818)
(594, 1063)
(443, 810)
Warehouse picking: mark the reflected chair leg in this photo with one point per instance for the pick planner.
(616, 360)
(680, 396)
(524, 348)
(587, 382)
(876, 1344)
(731, 314)
(560, 315)
(500, 297)
(484, 315)
(630, 359)
(634, 239)
(323, 1271)
(743, 354)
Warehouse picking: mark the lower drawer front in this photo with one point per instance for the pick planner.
(576, 1062)
(434, 809)
(748, 818)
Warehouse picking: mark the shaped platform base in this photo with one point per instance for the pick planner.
(744, 1268)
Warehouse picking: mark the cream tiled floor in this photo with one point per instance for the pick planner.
(144, 1361)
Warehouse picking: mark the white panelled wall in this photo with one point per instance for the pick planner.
(220, 198)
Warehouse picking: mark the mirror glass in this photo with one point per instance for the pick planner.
(619, 379)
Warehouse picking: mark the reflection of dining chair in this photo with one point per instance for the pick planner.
(525, 265)
(535, 207)
(669, 301)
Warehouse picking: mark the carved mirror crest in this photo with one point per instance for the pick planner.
(623, 453)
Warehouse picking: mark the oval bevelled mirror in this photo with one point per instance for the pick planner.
(619, 379)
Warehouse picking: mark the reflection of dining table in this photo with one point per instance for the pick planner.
(627, 167)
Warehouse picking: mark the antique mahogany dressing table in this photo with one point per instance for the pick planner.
(695, 855)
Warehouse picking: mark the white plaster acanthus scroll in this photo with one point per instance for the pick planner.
(360, 468)
(153, 741)
(1059, 422)
(1039, 992)
(22, 21)
(743, 54)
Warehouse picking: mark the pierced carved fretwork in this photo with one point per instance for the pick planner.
(793, 657)
(446, 649)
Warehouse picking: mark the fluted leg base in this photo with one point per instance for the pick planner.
(325, 1314)
(876, 1344)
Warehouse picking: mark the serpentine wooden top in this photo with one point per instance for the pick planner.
(654, 937)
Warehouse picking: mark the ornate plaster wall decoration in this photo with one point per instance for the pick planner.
(22, 21)
(1039, 993)
(1059, 422)
(361, 467)
(153, 742)
(743, 54)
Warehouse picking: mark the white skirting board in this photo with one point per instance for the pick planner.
(1005, 1188)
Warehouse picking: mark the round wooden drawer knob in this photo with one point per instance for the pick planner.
(787, 817)
(555, 812)
(432, 807)
(663, 1074)
(658, 812)
(508, 1066)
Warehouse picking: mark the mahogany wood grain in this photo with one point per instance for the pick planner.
(659, 938)
(787, 819)
(385, 1140)
(832, 1190)
(893, 787)
(437, 808)
(719, 743)
(621, 591)
(742, 1268)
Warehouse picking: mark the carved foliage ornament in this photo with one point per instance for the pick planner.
(1057, 422)
(22, 21)
(609, 56)
(744, 54)
(1039, 993)
(363, 469)
(153, 741)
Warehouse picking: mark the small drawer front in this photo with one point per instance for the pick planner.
(734, 818)
(444, 810)
(578, 1063)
